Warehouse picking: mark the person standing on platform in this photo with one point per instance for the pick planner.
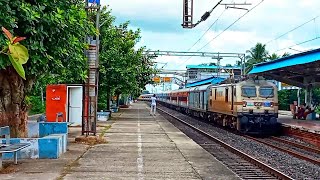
(153, 105)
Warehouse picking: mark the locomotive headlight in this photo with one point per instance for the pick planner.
(244, 103)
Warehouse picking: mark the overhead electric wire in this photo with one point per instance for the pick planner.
(207, 14)
(299, 26)
(204, 32)
(207, 30)
(295, 28)
(230, 25)
(297, 44)
(224, 30)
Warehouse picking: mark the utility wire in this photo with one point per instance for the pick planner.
(207, 30)
(299, 26)
(204, 32)
(303, 42)
(223, 30)
(207, 14)
(230, 25)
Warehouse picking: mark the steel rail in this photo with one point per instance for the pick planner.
(295, 154)
(307, 148)
(245, 156)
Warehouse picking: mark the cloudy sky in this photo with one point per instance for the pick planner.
(160, 24)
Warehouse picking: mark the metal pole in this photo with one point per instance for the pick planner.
(85, 98)
(42, 100)
(97, 66)
(244, 64)
(241, 63)
(298, 96)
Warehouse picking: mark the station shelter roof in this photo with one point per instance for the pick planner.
(211, 67)
(301, 70)
(211, 80)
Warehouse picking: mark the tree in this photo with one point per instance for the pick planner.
(286, 54)
(55, 32)
(123, 70)
(273, 56)
(257, 54)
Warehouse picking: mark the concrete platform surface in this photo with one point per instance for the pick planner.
(307, 125)
(141, 146)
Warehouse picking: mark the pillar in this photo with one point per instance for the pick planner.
(298, 96)
(308, 95)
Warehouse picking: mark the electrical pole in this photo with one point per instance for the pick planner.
(90, 100)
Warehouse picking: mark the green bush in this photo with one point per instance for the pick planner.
(36, 105)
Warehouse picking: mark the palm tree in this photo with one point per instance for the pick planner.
(286, 54)
(273, 56)
(257, 54)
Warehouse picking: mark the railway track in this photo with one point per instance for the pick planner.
(297, 150)
(299, 145)
(312, 138)
(246, 166)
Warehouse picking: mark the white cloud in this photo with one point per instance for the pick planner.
(269, 20)
(154, 9)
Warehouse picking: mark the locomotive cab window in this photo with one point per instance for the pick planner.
(249, 91)
(266, 92)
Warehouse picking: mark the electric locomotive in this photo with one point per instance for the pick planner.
(249, 106)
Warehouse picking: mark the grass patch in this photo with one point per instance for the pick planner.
(7, 169)
(103, 132)
(94, 140)
(67, 169)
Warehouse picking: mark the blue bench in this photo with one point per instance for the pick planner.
(10, 148)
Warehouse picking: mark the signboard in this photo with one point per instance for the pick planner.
(156, 79)
(92, 91)
(92, 77)
(94, 1)
(166, 79)
(285, 85)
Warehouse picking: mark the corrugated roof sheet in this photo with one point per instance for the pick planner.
(212, 80)
(296, 59)
(211, 67)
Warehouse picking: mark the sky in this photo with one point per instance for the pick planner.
(160, 25)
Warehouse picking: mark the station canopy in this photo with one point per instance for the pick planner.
(301, 70)
(211, 80)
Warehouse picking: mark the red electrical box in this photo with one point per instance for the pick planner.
(56, 101)
(64, 103)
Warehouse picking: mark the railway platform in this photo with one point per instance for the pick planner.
(285, 118)
(141, 146)
(307, 130)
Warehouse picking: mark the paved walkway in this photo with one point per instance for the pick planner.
(144, 147)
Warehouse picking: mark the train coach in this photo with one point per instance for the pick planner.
(145, 97)
(249, 106)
